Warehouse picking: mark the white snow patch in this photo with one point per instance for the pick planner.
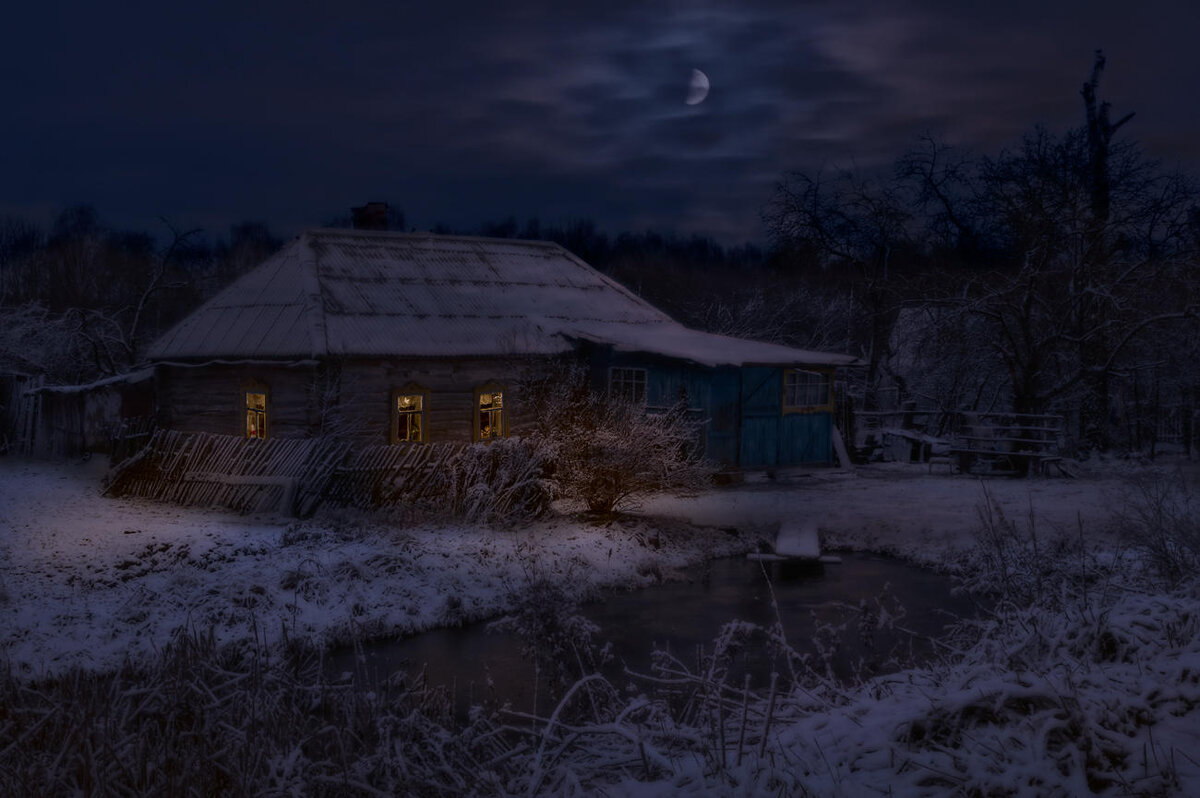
(88, 581)
(798, 539)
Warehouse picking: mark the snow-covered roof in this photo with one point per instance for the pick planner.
(331, 293)
(130, 378)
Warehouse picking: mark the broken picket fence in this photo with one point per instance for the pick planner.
(292, 475)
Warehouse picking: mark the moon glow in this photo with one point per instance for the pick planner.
(697, 88)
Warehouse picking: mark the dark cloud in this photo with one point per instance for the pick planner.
(465, 112)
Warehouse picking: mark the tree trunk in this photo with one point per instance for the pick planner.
(1097, 252)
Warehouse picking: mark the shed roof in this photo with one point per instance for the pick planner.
(332, 293)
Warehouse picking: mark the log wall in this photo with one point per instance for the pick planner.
(366, 389)
(349, 398)
(210, 398)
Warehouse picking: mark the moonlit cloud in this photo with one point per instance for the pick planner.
(460, 113)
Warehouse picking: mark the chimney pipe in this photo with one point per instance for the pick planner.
(372, 216)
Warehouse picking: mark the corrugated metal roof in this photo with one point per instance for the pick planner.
(366, 293)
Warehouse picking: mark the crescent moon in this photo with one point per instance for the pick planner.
(697, 88)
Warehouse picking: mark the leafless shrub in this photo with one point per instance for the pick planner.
(563, 644)
(1019, 563)
(503, 480)
(1162, 521)
(607, 452)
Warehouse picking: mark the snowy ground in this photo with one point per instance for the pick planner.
(88, 581)
(903, 509)
(1087, 681)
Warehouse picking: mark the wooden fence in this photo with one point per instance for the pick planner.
(371, 476)
(129, 436)
(292, 475)
(21, 405)
(1019, 443)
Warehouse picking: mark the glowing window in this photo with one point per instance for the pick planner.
(627, 384)
(805, 390)
(256, 414)
(491, 414)
(409, 409)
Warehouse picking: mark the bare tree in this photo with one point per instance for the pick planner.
(1072, 248)
(857, 226)
(97, 291)
(157, 280)
(798, 315)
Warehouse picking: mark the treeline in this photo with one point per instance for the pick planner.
(1060, 275)
(1057, 276)
(80, 300)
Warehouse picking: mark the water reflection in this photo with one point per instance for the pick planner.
(841, 616)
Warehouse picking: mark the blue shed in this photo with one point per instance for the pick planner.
(762, 405)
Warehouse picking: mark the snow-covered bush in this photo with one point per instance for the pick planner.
(607, 452)
(1162, 521)
(69, 347)
(1018, 563)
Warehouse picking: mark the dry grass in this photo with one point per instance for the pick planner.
(203, 720)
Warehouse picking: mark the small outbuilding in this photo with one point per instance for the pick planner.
(394, 337)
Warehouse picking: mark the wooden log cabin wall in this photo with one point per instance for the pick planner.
(211, 397)
(350, 398)
(366, 390)
(383, 337)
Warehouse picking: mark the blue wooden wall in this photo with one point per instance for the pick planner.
(772, 438)
(743, 409)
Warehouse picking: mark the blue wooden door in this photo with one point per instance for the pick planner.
(761, 406)
(723, 420)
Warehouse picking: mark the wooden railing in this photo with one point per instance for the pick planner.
(1008, 442)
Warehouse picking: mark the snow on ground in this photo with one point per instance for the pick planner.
(1063, 695)
(87, 580)
(903, 509)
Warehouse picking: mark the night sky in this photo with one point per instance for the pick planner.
(210, 114)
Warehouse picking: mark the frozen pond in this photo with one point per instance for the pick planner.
(835, 608)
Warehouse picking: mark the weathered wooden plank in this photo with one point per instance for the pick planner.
(206, 469)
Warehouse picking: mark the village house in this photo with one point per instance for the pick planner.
(395, 337)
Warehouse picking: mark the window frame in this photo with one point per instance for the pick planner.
(645, 382)
(490, 386)
(248, 387)
(826, 377)
(408, 389)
